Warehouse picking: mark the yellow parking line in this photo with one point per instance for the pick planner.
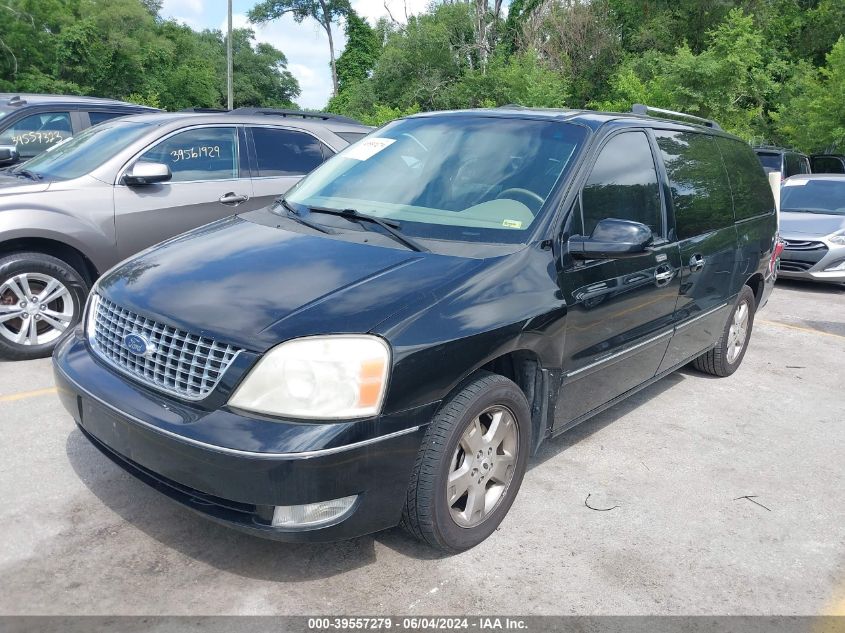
(800, 328)
(23, 395)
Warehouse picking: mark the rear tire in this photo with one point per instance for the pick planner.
(470, 465)
(726, 357)
(41, 301)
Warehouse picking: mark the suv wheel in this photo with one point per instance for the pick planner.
(725, 358)
(41, 300)
(470, 465)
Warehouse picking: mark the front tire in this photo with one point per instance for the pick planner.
(41, 301)
(726, 357)
(470, 465)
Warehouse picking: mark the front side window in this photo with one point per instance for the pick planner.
(469, 178)
(35, 133)
(209, 153)
(623, 185)
(701, 193)
(285, 152)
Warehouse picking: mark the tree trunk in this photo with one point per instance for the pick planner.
(327, 25)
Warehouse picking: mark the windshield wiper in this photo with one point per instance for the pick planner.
(27, 174)
(392, 228)
(293, 214)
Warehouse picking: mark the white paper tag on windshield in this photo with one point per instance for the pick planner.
(789, 182)
(367, 148)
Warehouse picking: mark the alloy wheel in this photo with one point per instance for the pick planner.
(482, 466)
(35, 309)
(738, 333)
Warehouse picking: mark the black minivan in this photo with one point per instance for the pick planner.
(392, 340)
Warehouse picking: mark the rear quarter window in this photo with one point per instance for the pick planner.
(752, 195)
(701, 193)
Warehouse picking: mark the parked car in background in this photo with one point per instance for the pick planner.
(392, 339)
(786, 162)
(74, 211)
(31, 123)
(827, 163)
(812, 224)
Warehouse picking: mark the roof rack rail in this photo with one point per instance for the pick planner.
(204, 110)
(639, 108)
(16, 101)
(305, 114)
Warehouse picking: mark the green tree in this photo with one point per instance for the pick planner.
(363, 48)
(325, 12)
(812, 117)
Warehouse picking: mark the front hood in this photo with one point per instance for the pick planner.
(818, 225)
(254, 285)
(14, 185)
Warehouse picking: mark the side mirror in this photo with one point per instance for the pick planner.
(147, 174)
(8, 155)
(612, 238)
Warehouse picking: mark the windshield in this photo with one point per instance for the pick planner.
(477, 179)
(813, 196)
(81, 154)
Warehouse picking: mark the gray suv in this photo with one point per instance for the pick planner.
(115, 189)
(31, 123)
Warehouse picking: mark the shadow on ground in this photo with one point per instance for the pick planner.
(228, 550)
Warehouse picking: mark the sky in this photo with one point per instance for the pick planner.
(305, 45)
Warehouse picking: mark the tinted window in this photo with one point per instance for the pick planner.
(351, 137)
(284, 152)
(200, 154)
(35, 133)
(99, 117)
(828, 165)
(796, 164)
(813, 196)
(700, 190)
(752, 194)
(770, 162)
(623, 184)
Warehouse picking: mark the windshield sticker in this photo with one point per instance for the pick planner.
(367, 148)
(512, 224)
(795, 183)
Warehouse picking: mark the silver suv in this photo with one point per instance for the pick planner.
(117, 188)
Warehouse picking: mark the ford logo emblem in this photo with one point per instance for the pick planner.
(136, 344)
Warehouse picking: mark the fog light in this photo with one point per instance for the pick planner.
(835, 266)
(312, 515)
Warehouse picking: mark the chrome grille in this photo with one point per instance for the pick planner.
(803, 245)
(177, 362)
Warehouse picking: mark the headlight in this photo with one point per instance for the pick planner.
(91, 313)
(339, 376)
(838, 238)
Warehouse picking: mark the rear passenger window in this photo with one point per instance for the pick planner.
(623, 185)
(285, 152)
(752, 194)
(700, 190)
(99, 117)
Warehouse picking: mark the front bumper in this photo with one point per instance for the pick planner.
(235, 469)
(810, 259)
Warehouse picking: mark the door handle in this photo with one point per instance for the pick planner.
(696, 262)
(232, 199)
